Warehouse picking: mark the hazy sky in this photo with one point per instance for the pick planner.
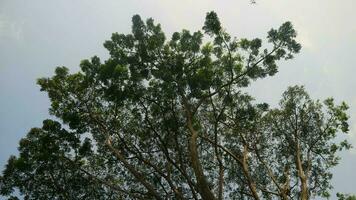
(38, 35)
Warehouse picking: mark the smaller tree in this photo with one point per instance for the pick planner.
(50, 165)
(345, 196)
(298, 143)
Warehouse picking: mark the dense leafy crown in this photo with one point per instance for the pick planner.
(166, 119)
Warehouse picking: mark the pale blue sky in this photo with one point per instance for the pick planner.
(38, 35)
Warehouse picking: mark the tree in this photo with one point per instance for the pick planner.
(168, 120)
(345, 196)
(295, 144)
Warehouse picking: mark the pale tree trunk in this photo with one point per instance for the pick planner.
(301, 174)
(139, 177)
(251, 183)
(202, 183)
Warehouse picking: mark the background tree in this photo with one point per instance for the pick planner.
(295, 144)
(168, 120)
(345, 196)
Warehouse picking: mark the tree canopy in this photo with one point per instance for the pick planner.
(168, 119)
(345, 196)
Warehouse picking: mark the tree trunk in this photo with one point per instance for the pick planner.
(251, 183)
(221, 182)
(203, 185)
(301, 174)
(139, 177)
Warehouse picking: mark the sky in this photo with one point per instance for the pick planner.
(38, 35)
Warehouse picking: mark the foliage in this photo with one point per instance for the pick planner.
(345, 196)
(167, 119)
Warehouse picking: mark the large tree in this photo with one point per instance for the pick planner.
(168, 119)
